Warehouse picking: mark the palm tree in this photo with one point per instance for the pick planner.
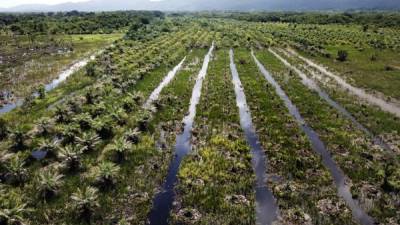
(12, 209)
(19, 138)
(47, 183)
(44, 126)
(3, 129)
(84, 120)
(138, 97)
(50, 147)
(70, 133)
(143, 120)
(71, 157)
(85, 202)
(88, 141)
(119, 115)
(90, 96)
(133, 136)
(98, 110)
(104, 127)
(75, 106)
(16, 171)
(128, 104)
(121, 148)
(105, 174)
(62, 114)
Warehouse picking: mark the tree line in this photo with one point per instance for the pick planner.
(73, 22)
(374, 18)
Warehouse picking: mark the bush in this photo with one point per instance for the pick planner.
(342, 55)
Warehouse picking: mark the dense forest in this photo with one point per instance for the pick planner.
(73, 22)
(380, 19)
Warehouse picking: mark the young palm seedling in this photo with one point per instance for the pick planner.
(47, 184)
(50, 147)
(143, 120)
(84, 120)
(85, 202)
(128, 104)
(120, 148)
(62, 114)
(104, 127)
(133, 136)
(137, 97)
(16, 172)
(71, 158)
(88, 141)
(119, 115)
(12, 209)
(69, 133)
(105, 175)
(19, 139)
(44, 126)
(98, 110)
(3, 129)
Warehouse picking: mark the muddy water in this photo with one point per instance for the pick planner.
(156, 93)
(266, 208)
(48, 87)
(319, 147)
(162, 203)
(313, 86)
(384, 105)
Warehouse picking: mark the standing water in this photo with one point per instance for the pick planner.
(384, 105)
(156, 93)
(319, 147)
(48, 87)
(313, 86)
(266, 208)
(162, 202)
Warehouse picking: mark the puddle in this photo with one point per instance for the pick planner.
(319, 147)
(313, 86)
(55, 83)
(384, 105)
(162, 203)
(266, 208)
(39, 155)
(156, 93)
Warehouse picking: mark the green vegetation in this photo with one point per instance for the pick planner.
(89, 152)
(26, 65)
(73, 22)
(215, 180)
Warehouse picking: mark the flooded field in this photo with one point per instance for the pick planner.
(201, 119)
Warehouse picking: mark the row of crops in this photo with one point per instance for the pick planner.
(93, 152)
